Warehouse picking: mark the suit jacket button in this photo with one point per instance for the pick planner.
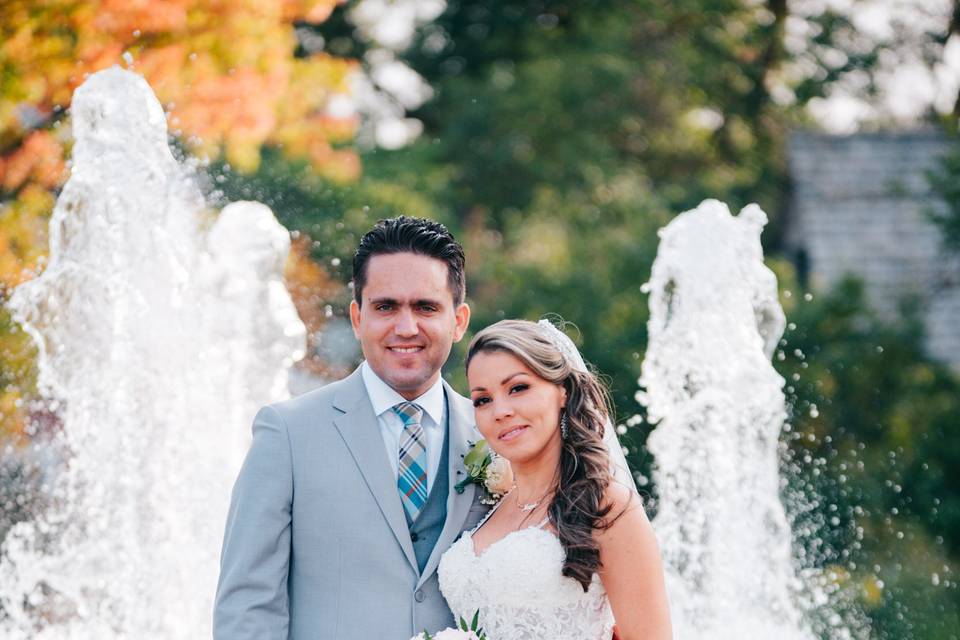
(419, 595)
(414, 537)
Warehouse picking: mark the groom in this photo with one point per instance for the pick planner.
(345, 501)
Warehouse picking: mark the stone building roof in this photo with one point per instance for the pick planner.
(859, 206)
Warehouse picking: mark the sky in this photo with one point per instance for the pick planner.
(908, 85)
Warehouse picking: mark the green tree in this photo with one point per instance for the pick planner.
(871, 446)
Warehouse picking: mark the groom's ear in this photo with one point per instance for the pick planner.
(461, 319)
(355, 318)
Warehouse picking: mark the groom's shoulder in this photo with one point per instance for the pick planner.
(313, 403)
(309, 400)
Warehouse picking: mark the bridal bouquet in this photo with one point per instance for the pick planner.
(462, 632)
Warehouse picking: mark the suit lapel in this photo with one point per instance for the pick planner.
(360, 431)
(461, 432)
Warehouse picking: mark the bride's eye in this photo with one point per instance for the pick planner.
(519, 387)
(480, 401)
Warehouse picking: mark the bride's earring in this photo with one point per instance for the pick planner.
(564, 427)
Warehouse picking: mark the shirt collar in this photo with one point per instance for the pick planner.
(383, 397)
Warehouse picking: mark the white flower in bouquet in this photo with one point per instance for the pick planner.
(456, 634)
(464, 631)
(448, 634)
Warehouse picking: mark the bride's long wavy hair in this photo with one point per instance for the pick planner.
(577, 508)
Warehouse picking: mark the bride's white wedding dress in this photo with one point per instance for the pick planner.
(517, 585)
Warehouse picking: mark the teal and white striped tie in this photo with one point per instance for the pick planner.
(412, 470)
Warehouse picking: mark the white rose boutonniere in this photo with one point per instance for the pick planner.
(499, 478)
(488, 470)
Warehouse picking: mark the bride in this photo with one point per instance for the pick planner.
(568, 551)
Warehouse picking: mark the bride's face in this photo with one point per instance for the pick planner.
(518, 412)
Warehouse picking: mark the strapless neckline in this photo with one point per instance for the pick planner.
(480, 554)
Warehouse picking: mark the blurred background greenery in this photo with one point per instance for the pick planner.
(554, 137)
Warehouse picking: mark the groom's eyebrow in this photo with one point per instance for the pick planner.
(415, 303)
(428, 302)
(383, 301)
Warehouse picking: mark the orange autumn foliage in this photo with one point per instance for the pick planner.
(39, 159)
(225, 70)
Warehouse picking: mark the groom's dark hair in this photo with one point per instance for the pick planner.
(411, 235)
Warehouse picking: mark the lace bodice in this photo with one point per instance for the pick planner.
(517, 585)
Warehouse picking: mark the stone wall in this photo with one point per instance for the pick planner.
(859, 206)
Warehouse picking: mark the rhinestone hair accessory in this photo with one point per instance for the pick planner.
(563, 343)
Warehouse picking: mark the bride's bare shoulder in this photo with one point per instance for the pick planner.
(623, 502)
(631, 568)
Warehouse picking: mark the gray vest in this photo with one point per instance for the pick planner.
(425, 531)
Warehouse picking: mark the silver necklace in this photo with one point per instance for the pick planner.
(529, 506)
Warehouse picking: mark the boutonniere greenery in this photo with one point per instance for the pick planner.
(485, 468)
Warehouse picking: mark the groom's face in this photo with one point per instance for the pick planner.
(407, 321)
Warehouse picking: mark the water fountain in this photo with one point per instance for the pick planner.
(158, 339)
(715, 321)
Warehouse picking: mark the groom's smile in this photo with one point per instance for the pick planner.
(406, 356)
(405, 349)
(407, 320)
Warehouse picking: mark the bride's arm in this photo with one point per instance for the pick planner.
(631, 571)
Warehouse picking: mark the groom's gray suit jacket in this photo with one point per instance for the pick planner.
(317, 544)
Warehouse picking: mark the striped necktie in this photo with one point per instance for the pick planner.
(412, 470)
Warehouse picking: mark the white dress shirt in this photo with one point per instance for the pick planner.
(383, 398)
